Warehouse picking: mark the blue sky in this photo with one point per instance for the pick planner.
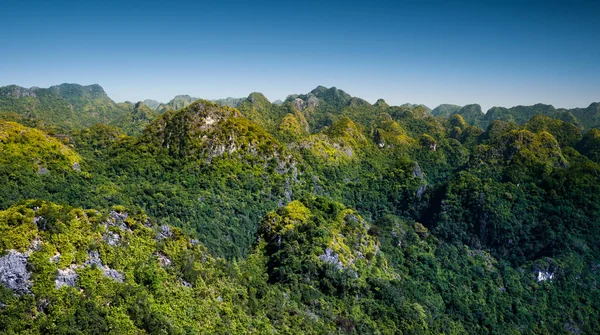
(496, 53)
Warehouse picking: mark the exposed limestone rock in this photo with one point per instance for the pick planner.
(38, 220)
(13, 272)
(164, 232)
(42, 305)
(42, 170)
(417, 173)
(317, 188)
(112, 239)
(545, 275)
(163, 259)
(348, 151)
(66, 277)
(55, 258)
(351, 217)
(545, 270)
(299, 104)
(209, 120)
(36, 245)
(571, 328)
(94, 259)
(116, 219)
(313, 101)
(113, 274)
(332, 258)
(22, 92)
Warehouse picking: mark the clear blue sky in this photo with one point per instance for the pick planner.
(500, 53)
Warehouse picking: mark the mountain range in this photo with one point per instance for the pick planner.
(322, 213)
(73, 106)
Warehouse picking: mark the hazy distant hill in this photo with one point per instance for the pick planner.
(181, 101)
(65, 106)
(229, 102)
(137, 117)
(445, 110)
(73, 106)
(582, 117)
(153, 104)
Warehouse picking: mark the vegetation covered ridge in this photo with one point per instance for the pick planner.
(319, 214)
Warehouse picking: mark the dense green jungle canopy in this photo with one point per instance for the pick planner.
(322, 214)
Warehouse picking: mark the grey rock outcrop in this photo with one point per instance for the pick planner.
(164, 232)
(571, 328)
(313, 101)
(112, 239)
(66, 277)
(42, 170)
(116, 219)
(94, 259)
(417, 172)
(113, 274)
(299, 104)
(22, 92)
(332, 258)
(56, 258)
(13, 272)
(163, 260)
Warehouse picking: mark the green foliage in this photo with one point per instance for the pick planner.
(590, 145)
(178, 102)
(445, 110)
(317, 267)
(472, 114)
(66, 106)
(522, 114)
(136, 119)
(293, 127)
(589, 117)
(152, 297)
(324, 214)
(259, 109)
(567, 134)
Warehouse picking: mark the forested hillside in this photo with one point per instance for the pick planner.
(323, 213)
